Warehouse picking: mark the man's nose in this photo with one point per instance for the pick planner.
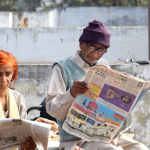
(95, 53)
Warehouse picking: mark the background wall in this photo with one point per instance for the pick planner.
(35, 19)
(33, 81)
(110, 16)
(5, 19)
(53, 44)
(54, 17)
(80, 16)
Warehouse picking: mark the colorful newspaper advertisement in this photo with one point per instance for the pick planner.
(99, 113)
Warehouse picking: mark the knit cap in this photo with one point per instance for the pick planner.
(96, 32)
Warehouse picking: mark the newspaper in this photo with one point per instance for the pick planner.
(98, 114)
(13, 132)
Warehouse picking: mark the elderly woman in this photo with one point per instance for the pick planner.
(12, 103)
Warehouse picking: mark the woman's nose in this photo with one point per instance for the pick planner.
(3, 78)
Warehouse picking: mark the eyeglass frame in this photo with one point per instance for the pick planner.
(104, 49)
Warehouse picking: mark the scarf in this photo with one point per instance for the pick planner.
(11, 106)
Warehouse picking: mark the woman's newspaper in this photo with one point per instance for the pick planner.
(13, 132)
(100, 112)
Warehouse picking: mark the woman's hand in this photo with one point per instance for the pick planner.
(54, 126)
(30, 144)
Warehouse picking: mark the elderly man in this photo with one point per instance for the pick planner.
(66, 83)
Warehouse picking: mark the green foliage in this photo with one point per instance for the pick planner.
(30, 5)
(106, 2)
(19, 5)
(5, 4)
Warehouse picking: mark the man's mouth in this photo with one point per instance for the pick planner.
(92, 58)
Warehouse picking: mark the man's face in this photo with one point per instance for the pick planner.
(19, 17)
(90, 57)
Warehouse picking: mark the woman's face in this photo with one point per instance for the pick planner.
(5, 77)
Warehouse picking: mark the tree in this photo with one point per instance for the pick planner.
(6, 5)
(19, 5)
(106, 2)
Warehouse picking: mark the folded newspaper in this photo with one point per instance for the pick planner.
(13, 132)
(100, 112)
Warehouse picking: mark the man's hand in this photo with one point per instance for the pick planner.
(79, 87)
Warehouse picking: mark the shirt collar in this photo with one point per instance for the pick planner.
(79, 61)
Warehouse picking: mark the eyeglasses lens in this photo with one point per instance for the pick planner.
(92, 49)
(102, 51)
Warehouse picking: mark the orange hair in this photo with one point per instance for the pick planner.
(8, 58)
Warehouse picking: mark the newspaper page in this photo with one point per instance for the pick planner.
(98, 114)
(13, 132)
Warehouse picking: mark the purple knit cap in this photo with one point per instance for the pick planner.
(96, 32)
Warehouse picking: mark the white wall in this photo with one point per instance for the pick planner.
(80, 16)
(35, 19)
(128, 42)
(53, 18)
(53, 44)
(5, 19)
(111, 16)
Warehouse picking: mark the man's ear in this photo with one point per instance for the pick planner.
(80, 44)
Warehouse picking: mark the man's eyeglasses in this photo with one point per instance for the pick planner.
(93, 49)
